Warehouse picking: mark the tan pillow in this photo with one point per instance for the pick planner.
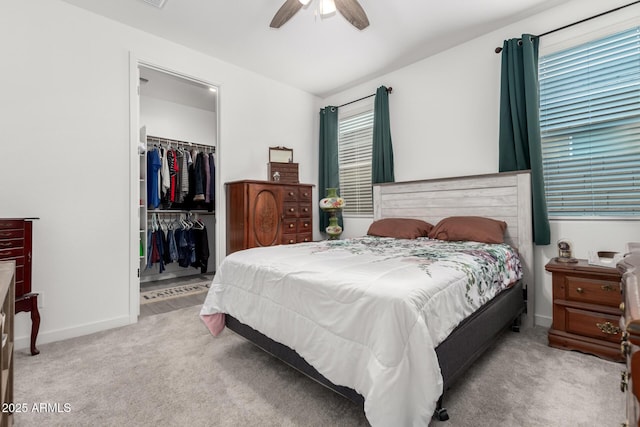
(400, 228)
(473, 228)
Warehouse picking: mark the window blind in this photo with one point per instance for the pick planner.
(355, 145)
(590, 127)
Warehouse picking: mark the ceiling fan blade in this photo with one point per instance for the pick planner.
(353, 12)
(286, 11)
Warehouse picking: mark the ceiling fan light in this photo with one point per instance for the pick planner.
(304, 2)
(327, 8)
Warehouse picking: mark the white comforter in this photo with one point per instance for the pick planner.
(367, 313)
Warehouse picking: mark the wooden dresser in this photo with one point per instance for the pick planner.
(586, 308)
(16, 244)
(630, 346)
(265, 213)
(7, 289)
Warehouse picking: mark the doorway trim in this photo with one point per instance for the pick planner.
(134, 164)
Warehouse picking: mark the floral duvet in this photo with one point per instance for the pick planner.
(368, 312)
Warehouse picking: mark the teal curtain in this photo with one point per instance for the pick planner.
(328, 172)
(519, 143)
(382, 155)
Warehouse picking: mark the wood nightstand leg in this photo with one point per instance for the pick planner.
(35, 324)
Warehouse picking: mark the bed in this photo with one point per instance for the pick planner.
(388, 353)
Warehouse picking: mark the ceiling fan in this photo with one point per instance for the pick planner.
(350, 9)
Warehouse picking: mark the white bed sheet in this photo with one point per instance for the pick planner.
(367, 313)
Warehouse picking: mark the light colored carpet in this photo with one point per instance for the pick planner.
(168, 370)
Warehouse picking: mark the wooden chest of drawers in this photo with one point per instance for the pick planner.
(263, 213)
(586, 309)
(15, 244)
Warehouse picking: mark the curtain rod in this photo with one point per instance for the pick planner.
(499, 49)
(389, 90)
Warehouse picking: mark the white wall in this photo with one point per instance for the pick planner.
(176, 121)
(444, 122)
(64, 120)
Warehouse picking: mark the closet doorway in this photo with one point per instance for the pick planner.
(177, 154)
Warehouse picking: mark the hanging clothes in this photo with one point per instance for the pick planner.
(201, 249)
(154, 163)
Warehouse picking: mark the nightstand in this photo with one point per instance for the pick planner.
(586, 308)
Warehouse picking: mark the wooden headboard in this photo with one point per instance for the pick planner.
(503, 196)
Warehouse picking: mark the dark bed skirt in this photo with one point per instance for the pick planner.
(455, 354)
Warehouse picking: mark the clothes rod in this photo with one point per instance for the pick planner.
(159, 140)
(389, 90)
(499, 49)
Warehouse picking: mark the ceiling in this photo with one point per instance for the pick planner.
(319, 56)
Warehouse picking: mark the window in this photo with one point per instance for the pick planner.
(355, 145)
(590, 127)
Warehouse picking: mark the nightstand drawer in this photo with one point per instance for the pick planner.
(592, 324)
(592, 291)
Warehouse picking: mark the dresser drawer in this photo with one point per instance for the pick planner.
(11, 253)
(592, 291)
(11, 243)
(305, 209)
(289, 239)
(11, 223)
(304, 237)
(291, 210)
(592, 324)
(304, 195)
(290, 226)
(290, 194)
(11, 234)
(304, 225)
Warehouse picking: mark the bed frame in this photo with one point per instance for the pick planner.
(504, 196)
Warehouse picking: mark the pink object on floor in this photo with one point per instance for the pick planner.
(215, 322)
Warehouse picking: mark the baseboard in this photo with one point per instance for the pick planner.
(44, 337)
(544, 321)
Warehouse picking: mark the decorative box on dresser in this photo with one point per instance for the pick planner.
(586, 308)
(630, 347)
(7, 296)
(15, 244)
(266, 213)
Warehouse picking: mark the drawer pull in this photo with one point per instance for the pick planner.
(624, 381)
(580, 290)
(291, 193)
(291, 241)
(290, 225)
(306, 194)
(625, 348)
(622, 307)
(292, 210)
(608, 288)
(608, 328)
